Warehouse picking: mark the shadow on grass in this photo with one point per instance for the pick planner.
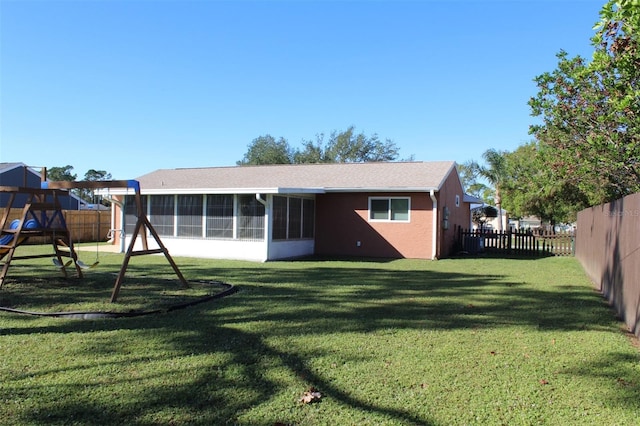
(279, 301)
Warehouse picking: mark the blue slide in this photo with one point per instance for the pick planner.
(6, 239)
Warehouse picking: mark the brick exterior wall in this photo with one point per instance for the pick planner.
(342, 222)
(459, 216)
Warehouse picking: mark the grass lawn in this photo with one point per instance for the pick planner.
(461, 341)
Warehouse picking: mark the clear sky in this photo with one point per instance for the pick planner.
(133, 86)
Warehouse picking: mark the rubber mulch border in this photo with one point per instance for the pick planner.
(229, 289)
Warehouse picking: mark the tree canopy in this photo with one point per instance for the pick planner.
(267, 150)
(590, 111)
(346, 146)
(65, 174)
(61, 173)
(493, 171)
(586, 149)
(530, 187)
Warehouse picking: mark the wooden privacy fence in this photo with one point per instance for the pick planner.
(522, 243)
(84, 225)
(608, 247)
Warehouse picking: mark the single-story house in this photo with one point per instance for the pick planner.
(261, 213)
(526, 223)
(493, 223)
(21, 175)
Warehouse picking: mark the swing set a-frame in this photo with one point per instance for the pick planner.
(42, 216)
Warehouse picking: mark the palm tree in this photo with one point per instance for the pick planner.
(495, 172)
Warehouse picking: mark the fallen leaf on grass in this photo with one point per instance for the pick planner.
(544, 382)
(622, 382)
(312, 395)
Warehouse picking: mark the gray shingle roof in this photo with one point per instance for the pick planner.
(399, 176)
(9, 166)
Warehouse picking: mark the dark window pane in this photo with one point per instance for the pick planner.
(250, 218)
(399, 209)
(190, 215)
(308, 218)
(295, 217)
(379, 209)
(279, 218)
(162, 213)
(219, 216)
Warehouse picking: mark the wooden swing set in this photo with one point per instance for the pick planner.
(42, 217)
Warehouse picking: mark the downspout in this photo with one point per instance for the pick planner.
(261, 200)
(267, 228)
(434, 242)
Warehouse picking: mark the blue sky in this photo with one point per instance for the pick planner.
(133, 86)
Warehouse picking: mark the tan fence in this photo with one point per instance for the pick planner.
(85, 225)
(608, 247)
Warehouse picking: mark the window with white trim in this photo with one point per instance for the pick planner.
(389, 209)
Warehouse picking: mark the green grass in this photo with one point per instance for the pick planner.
(461, 341)
(40, 287)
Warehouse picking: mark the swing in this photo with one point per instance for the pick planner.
(59, 264)
(83, 265)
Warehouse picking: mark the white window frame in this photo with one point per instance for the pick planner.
(389, 219)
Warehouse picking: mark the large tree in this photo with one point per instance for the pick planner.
(97, 175)
(346, 146)
(532, 188)
(94, 175)
(351, 147)
(590, 111)
(267, 150)
(469, 177)
(495, 172)
(61, 173)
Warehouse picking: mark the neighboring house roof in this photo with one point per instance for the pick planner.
(473, 200)
(301, 178)
(6, 167)
(9, 166)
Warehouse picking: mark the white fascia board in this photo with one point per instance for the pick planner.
(300, 191)
(169, 191)
(378, 189)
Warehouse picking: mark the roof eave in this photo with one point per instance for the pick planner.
(169, 191)
(172, 191)
(383, 189)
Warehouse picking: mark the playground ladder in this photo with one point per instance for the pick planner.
(41, 216)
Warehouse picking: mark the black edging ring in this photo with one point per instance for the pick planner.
(229, 289)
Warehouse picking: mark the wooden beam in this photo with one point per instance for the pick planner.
(91, 184)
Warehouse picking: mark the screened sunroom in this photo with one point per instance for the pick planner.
(239, 226)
